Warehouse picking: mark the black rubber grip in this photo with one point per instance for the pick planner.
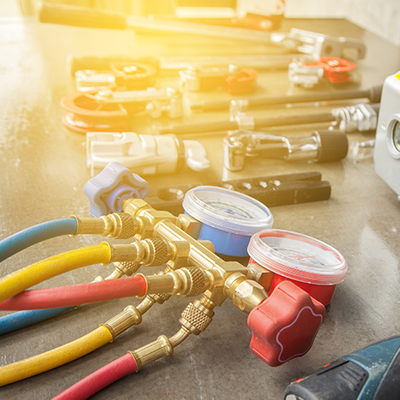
(333, 146)
(80, 16)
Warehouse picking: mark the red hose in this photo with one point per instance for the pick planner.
(66, 296)
(99, 379)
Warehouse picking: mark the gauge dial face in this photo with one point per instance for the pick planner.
(227, 210)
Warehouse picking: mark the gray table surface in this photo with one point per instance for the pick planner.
(43, 171)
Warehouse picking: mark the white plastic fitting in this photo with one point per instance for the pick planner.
(143, 154)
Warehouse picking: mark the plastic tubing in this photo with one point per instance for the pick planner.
(54, 358)
(22, 319)
(84, 293)
(100, 379)
(35, 234)
(22, 279)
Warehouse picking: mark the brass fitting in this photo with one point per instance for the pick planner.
(161, 347)
(261, 275)
(152, 251)
(117, 225)
(127, 252)
(148, 216)
(179, 336)
(190, 281)
(159, 298)
(197, 316)
(121, 322)
(127, 267)
(189, 225)
(222, 279)
(158, 251)
(245, 293)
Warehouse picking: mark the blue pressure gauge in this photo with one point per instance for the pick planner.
(228, 218)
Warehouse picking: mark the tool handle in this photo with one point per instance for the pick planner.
(80, 16)
(285, 324)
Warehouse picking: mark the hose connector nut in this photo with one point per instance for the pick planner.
(158, 251)
(196, 317)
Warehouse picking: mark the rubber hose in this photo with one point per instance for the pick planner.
(85, 293)
(22, 279)
(35, 234)
(22, 319)
(99, 379)
(54, 358)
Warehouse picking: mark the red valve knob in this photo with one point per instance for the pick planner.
(285, 324)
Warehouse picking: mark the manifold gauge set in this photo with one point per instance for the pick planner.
(284, 286)
(213, 242)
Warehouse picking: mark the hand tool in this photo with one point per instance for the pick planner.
(318, 147)
(373, 94)
(119, 76)
(231, 78)
(109, 110)
(302, 41)
(347, 118)
(308, 73)
(272, 190)
(144, 154)
(370, 373)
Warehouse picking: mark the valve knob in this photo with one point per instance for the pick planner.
(108, 189)
(285, 324)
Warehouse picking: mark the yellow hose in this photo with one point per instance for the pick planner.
(22, 279)
(54, 358)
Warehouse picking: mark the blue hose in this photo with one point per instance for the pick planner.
(35, 234)
(21, 319)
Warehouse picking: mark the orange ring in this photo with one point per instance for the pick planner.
(85, 114)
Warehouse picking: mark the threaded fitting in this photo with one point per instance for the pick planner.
(127, 267)
(195, 317)
(158, 251)
(124, 225)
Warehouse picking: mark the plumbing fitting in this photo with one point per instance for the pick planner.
(150, 252)
(144, 154)
(195, 318)
(318, 147)
(115, 225)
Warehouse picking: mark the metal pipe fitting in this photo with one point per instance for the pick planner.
(161, 347)
(246, 294)
(197, 316)
(117, 225)
(190, 281)
(127, 267)
(121, 322)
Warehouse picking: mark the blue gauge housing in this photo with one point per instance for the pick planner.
(228, 218)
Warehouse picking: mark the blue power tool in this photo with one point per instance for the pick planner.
(371, 373)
